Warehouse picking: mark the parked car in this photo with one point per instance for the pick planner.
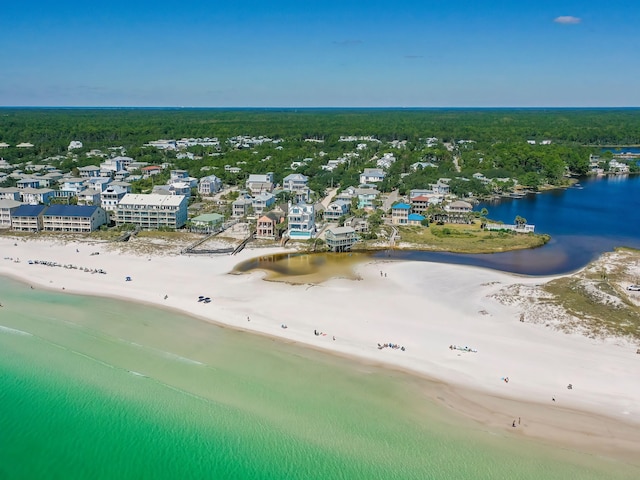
(634, 288)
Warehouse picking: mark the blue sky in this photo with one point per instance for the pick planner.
(320, 53)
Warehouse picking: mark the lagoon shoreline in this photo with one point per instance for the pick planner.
(424, 307)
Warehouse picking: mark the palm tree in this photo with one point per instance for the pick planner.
(520, 220)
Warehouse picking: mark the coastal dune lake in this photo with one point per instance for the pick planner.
(596, 216)
(97, 388)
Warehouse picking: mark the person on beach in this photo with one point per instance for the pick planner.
(514, 424)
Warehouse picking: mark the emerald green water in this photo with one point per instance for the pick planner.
(95, 388)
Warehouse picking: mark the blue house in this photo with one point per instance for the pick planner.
(415, 219)
(400, 214)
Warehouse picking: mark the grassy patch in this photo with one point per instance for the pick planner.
(602, 310)
(467, 239)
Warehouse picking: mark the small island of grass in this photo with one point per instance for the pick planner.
(466, 238)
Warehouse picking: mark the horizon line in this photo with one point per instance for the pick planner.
(69, 107)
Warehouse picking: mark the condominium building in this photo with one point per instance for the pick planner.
(152, 211)
(27, 218)
(7, 207)
(73, 218)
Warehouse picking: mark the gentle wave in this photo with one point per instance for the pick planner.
(14, 331)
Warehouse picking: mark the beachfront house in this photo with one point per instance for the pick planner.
(7, 207)
(340, 239)
(73, 218)
(257, 183)
(266, 226)
(209, 185)
(301, 220)
(240, 207)
(261, 201)
(458, 211)
(415, 219)
(421, 203)
(27, 218)
(151, 211)
(336, 209)
(207, 222)
(111, 196)
(400, 214)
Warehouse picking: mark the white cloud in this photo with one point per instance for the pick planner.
(567, 20)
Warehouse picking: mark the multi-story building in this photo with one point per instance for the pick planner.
(262, 201)
(372, 175)
(340, 239)
(302, 221)
(27, 218)
(400, 214)
(260, 183)
(89, 171)
(9, 193)
(150, 211)
(34, 196)
(336, 209)
(111, 196)
(240, 207)
(294, 182)
(266, 226)
(209, 185)
(89, 196)
(73, 218)
(7, 207)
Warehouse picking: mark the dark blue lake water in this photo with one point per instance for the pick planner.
(584, 221)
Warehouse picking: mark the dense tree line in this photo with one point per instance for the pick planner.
(498, 149)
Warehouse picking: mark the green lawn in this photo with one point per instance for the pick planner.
(466, 239)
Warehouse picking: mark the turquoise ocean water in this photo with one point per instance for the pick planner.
(95, 388)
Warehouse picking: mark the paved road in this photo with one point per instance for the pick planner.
(327, 200)
(390, 200)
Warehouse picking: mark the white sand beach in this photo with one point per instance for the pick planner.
(423, 307)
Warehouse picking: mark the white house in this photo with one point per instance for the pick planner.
(111, 196)
(262, 201)
(209, 185)
(6, 209)
(150, 212)
(34, 196)
(294, 181)
(336, 209)
(257, 183)
(89, 196)
(301, 220)
(89, 171)
(74, 144)
(372, 175)
(9, 193)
